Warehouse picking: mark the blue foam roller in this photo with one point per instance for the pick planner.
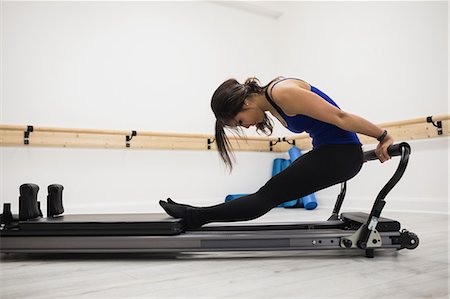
(277, 166)
(309, 201)
(294, 153)
(234, 196)
(288, 204)
(285, 164)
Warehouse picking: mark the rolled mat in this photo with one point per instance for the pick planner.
(234, 196)
(278, 164)
(292, 203)
(308, 201)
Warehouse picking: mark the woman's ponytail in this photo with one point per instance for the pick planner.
(252, 85)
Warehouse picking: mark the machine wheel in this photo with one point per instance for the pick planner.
(409, 239)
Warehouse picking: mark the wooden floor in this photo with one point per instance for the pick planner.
(419, 273)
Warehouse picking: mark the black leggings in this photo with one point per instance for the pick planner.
(317, 169)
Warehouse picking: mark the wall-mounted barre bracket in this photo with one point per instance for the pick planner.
(210, 142)
(272, 144)
(438, 124)
(291, 143)
(26, 135)
(128, 138)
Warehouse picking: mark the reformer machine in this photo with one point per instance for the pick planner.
(29, 232)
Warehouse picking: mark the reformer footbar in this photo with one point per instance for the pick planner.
(29, 232)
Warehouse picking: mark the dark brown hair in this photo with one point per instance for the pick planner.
(227, 101)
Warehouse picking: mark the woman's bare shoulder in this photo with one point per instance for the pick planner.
(287, 87)
(282, 82)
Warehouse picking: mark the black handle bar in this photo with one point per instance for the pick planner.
(393, 150)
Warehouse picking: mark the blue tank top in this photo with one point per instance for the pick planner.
(322, 133)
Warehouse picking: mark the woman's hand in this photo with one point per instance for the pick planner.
(381, 150)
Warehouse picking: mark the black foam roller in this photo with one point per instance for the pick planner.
(54, 200)
(28, 205)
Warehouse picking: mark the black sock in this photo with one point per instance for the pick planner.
(169, 200)
(179, 211)
(176, 211)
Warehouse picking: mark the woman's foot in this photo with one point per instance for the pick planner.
(169, 200)
(180, 211)
(176, 211)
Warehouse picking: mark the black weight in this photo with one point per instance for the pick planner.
(28, 205)
(54, 200)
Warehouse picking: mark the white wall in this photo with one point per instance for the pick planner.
(149, 66)
(146, 65)
(154, 65)
(384, 61)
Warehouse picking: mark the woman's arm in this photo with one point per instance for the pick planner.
(295, 100)
(355, 123)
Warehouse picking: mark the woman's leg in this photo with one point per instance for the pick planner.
(313, 171)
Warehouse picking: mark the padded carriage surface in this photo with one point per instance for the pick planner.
(384, 224)
(162, 224)
(101, 224)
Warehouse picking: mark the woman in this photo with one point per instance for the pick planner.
(336, 155)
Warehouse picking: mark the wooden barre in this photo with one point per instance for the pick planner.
(17, 135)
(395, 125)
(415, 121)
(24, 128)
